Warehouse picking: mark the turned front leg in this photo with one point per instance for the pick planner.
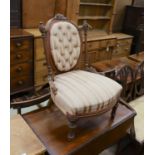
(113, 113)
(72, 124)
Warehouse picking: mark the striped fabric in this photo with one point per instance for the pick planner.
(81, 92)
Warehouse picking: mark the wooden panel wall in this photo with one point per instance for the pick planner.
(35, 11)
(61, 6)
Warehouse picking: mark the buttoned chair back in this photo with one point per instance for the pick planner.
(63, 47)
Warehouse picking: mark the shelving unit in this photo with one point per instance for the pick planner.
(98, 13)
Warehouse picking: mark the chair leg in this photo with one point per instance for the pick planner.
(114, 111)
(19, 111)
(72, 126)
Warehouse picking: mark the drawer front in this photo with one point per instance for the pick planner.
(121, 51)
(39, 49)
(21, 83)
(104, 54)
(21, 44)
(92, 45)
(123, 48)
(22, 70)
(41, 78)
(40, 65)
(92, 56)
(124, 42)
(40, 72)
(23, 56)
(107, 43)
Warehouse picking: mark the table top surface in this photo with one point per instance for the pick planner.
(137, 57)
(18, 33)
(107, 65)
(51, 127)
(23, 140)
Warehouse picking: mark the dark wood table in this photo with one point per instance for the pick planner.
(93, 135)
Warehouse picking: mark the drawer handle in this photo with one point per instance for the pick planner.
(126, 49)
(19, 69)
(118, 45)
(20, 82)
(18, 56)
(107, 49)
(18, 44)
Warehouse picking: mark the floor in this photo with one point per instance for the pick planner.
(109, 151)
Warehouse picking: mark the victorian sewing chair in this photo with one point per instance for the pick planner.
(77, 93)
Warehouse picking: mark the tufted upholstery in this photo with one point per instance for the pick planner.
(65, 45)
(81, 92)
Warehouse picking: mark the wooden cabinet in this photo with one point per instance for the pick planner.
(21, 60)
(40, 68)
(123, 46)
(134, 25)
(100, 48)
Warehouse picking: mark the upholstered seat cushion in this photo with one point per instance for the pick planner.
(81, 92)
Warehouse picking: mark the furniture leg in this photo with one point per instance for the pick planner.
(19, 111)
(72, 126)
(114, 111)
(132, 131)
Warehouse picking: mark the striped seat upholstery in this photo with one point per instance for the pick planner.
(80, 92)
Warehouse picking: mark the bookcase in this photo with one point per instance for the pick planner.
(98, 13)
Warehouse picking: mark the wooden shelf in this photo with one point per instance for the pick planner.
(95, 4)
(94, 17)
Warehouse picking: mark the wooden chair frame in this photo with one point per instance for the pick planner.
(52, 70)
(125, 76)
(139, 80)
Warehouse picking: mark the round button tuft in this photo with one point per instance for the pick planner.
(60, 40)
(59, 27)
(68, 27)
(62, 54)
(76, 46)
(70, 40)
(74, 33)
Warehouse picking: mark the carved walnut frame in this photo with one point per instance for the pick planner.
(52, 69)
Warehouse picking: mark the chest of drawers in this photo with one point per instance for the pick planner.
(40, 68)
(21, 61)
(123, 46)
